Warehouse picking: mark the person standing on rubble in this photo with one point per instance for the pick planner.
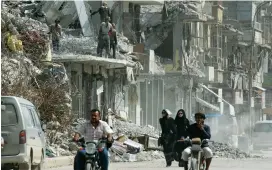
(55, 31)
(182, 124)
(104, 12)
(104, 38)
(113, 40)
(168, 135)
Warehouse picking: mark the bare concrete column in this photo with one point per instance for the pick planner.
(94, 92)
(163, 93)
(138, 105)
(152, 103)
(158, 103)
(146, 109)
(137, 28)
(68, 72)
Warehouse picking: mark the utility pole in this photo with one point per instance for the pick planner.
(250, 75)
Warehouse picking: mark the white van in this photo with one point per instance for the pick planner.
(262, 134)
(24, 139)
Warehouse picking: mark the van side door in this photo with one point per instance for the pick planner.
(30, 130)
(40, 130)
(38, 143)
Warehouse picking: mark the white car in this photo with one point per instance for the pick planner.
(23, 135)
(262, 135)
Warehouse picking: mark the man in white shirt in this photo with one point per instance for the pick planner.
(94, 130)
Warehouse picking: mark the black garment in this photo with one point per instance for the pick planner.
(113, 42)
(113, 47)
(56, 45)
(99, 45)
(104, 12)
(194, 132)
(182, 124)
(168, 137)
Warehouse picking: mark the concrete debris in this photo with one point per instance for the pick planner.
(150, 15)
(59, 143)
(88, 45)
(157, 34)
(130, 129)
(226, 151)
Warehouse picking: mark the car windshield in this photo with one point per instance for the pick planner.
(9, 116)
(263, 127)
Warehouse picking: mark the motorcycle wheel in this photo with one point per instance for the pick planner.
(88, 166)
(194, 164)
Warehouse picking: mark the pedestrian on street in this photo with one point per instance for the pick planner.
(55, 31)
(104, 12)
(168, 135)
(113, 40)
(182, 124)
(104, 38)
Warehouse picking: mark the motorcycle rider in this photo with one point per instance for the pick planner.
(182, 124)
(202, 131)
(95, 129)
(168, 135)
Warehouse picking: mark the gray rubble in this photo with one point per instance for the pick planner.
(226, 151)
(130, 129)
(88, 46)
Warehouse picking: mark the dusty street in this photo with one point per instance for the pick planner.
(217, 164)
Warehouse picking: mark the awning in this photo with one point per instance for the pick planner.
(204, 103)
(260, 88)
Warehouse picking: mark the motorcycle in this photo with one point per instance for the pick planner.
(197, 157)
(92, 149)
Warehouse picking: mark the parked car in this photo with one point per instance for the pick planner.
(23, 135)
(262, 135)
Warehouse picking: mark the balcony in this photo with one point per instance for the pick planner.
(193, 17)
(258, 26)
(150, 2)
(213, 61)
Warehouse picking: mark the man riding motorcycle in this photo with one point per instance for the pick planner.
(95, 129)
(202, 131)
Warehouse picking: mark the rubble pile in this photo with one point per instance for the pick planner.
(126, 146)
(60, 143)
(25, 46)
(226, 151)
(24, 35)
(130, 129)
(88, 46)
(17, 52)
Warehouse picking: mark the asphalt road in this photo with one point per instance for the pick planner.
(217, 164)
